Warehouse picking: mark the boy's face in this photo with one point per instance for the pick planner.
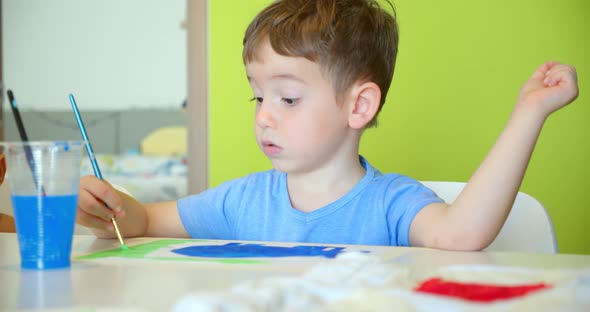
(299, 124)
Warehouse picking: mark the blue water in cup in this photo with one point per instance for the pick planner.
(45, 227)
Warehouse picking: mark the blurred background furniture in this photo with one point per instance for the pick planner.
(119, 140)
(165, 141)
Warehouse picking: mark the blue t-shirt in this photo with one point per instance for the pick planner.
(377, 211)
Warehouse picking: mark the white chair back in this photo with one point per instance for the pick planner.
(528, 227)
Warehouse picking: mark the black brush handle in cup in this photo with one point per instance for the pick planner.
(23, 136)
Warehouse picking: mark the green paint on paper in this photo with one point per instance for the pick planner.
(141, 251)
(138, 251)
(124, 247)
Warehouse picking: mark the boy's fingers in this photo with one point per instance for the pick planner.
(545, 70)
(92, 221)
(560, 74)
(102, 191)
(92, 206)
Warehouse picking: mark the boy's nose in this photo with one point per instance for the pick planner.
(264, 117)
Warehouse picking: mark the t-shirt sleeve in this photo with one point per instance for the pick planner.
(406, 197)
(210, 214)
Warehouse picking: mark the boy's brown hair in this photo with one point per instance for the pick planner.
(352, 40)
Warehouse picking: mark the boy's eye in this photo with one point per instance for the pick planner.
(290, 101)
(257, 99)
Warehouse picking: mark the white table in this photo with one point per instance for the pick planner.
(156, 285)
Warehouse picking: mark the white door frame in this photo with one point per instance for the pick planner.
(198, 95)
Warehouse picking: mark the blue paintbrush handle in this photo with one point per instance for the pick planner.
(85, 137)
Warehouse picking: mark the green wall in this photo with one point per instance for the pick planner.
(459, 70)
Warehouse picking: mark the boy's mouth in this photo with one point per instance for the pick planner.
(270, 149)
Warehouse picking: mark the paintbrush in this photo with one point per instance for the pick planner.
(17, 118)
(24, 138)
(93, 161)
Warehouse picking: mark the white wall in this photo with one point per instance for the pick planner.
(111, 54)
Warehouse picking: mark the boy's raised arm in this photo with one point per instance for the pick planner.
(477, 215)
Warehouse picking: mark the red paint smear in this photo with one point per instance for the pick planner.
(477, 292)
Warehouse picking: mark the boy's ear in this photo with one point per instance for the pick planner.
(365, 104)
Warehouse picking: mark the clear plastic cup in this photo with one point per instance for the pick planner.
(44, 177)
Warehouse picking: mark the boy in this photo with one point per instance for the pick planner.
(320, 71)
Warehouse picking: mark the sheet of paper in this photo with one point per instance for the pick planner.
(223, 252)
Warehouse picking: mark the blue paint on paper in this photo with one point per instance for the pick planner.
(240, 250)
